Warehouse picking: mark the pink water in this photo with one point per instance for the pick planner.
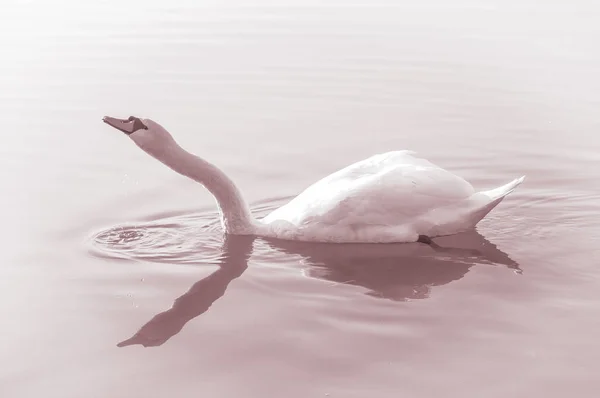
(105, 250)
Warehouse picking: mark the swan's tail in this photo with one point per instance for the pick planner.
(483, 202)
(501, 192)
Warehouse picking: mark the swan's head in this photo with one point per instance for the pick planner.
(146, 133)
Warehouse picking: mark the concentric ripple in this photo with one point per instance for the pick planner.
(182, 239)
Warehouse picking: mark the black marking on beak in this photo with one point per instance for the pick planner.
(128, 126)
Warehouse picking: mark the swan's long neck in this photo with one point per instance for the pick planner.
(235, 213)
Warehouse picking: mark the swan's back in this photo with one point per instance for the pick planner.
(376, 199)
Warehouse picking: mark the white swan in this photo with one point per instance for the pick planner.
(390, 197)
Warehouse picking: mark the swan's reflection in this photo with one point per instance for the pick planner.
(392, 271)
(398, 271)
(198, 299)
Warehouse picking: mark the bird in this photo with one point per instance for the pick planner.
(392, 197)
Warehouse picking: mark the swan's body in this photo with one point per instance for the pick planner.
(390, 197)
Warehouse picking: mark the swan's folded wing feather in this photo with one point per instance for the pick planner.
(394, 197)
(387, 189)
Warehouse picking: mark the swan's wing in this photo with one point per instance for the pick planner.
(385, 189)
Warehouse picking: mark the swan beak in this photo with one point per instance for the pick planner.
(141, 339)
(130, 341)
(128, 126)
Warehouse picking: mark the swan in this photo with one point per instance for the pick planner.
(389, 197)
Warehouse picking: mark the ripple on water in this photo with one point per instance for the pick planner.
(172, 240)
(192, 238)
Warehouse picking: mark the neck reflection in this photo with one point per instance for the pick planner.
(199, 298)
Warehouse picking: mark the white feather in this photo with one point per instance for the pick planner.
(389, 197)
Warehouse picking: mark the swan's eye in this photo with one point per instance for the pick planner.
(138, 125)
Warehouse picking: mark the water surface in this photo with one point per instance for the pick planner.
(106, 251)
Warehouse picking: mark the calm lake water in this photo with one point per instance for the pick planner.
(99, 241)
